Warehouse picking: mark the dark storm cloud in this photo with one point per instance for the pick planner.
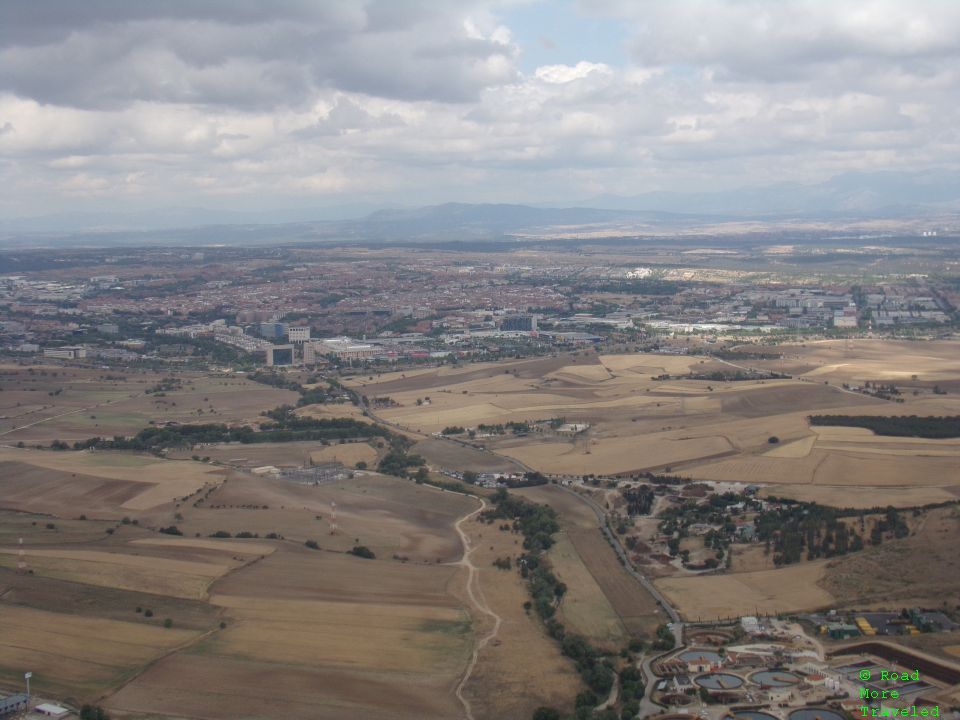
(251, 55)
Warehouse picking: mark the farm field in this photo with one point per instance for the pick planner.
(43, 403)
(292, 454)
(102, 484)
(78, 656)
(336, 622)
(389, 515)
(349, 635)
(631, 605)
(709, 430)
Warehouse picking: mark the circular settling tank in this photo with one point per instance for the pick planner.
(753, 715)
(774, 678)
(708, 656)
(815, 714)
(723, 681)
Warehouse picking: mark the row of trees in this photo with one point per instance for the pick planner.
(897, 425)
(538, 524)
(284, 426)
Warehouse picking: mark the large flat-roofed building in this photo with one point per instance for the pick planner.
(280, 355)
(298, 334)
(68, 352)
(13, 704)
(345, 348)
(521, 323)
(272, 330)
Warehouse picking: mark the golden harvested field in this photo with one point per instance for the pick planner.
(636, 609)
(617, 455)
(321, 412)
(72, 655)
(870, 359)
(224, 546)
(585, 610)
(358, 634)
(104, 483)
(141, 573)
(865, 496)
(211, 687)
(350, 636)
(293, 454)
(790, 589)
(348, 453)
(385, 637)
(389, 515)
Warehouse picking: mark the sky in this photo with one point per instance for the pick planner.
(252, 105)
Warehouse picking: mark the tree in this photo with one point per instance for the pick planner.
(470, 477)
(362, 551)
(546, 713)
(93, 712)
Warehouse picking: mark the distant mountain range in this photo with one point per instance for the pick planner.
(850, 197)
(856, 194)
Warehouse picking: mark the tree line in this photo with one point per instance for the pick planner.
(934, 427)
(538, 524)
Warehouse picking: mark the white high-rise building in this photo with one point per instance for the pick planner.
(298, 334)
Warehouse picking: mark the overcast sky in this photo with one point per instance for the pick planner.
(249, 104)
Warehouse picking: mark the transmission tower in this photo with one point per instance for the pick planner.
(21, 561)
(333, 517)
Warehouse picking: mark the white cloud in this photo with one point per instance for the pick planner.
(421, 101)
(565, 73)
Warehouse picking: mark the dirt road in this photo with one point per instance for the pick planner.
(478, 603)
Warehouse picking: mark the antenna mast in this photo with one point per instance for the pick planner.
(333, 517)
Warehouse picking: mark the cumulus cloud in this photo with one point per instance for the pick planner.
(424, 101)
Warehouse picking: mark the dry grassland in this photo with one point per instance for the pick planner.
(523, 668)
(389, 515)
(325, 411)
(619, 454)
(225, 688)
(225, 546)
(585, 609)
(447, 454)
(140, 573)
(102, 482)
(349, 637)
(386, 637)
(865, 496)
(871, 359)
(348, 453)
(69, 654)
(88, 405)
(637, 611)
(923, 569)
(789, 589)
(796, 449)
